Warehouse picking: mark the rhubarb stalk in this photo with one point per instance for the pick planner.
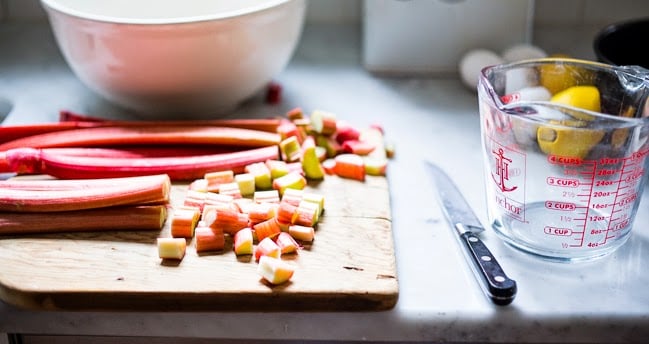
(146, 135)
(130, 218)
(28, 160)
(149, 189)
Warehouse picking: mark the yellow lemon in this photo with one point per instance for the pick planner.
(581, 97)
(558, 76)
(569, 139)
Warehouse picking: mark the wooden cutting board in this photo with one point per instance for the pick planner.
(350, 266)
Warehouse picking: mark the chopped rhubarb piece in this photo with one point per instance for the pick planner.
(310, 160)
(315, 198)
(323, 122)
(290, 149)
(261, 211)
(346, 132)
(216, 178)
(225, 218)
(243, 204)
(374, 136)
(378, 127)
(295, 113)
(216, 199)
(290, 181)
(321, 153)
(375, 166)
(389, 149)
(293, 196)
(358, 147)
(271, 196)
(295, 167)
(260, 171)
(302, 233)
(243, 242)
(195, 199)
(286, 130)
(274, 270)
(231, 189)
(171, 248)
(184, 221)
(329, 166)
(286, 243)
(267, 229)
(198, 185)
(350, 166)
(246, 183)
(208, 239)
(307, 214)
(267, 247)
(286, 213)
(277, 168)
(331, 146)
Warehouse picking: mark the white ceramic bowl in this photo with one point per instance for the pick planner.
(176, 58)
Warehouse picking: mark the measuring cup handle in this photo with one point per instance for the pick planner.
(495, 283)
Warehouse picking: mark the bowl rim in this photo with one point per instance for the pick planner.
(57, 6)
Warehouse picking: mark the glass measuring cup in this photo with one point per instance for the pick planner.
(565, 146)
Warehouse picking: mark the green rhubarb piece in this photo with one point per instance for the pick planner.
(290, 149)
(278, 168)
(246, 183)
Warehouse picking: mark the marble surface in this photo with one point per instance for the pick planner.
(432, 119)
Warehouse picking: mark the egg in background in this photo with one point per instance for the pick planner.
(475, 60)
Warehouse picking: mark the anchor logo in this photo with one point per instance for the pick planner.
(502, 171)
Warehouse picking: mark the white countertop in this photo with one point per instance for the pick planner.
(428, 118)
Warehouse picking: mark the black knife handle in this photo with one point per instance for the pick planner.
(500, 288)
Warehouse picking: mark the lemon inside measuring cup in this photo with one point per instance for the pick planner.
(581, 97)
(558, 76)
(571, 137)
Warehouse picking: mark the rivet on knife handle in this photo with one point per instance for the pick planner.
(500, 288)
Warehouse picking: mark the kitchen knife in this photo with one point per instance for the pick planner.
(493, 280)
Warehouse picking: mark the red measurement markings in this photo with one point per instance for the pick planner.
(562, 206)
(557, 231)
(562, 182)
(564, 160)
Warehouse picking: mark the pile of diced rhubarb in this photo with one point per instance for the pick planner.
(247, 178)
(265, 209)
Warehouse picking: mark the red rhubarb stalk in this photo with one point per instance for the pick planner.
(150, 217)
(32, 161)
(263, 124)
(10, 133)
(161, 135)
(150, 189)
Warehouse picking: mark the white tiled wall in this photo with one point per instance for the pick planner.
(547, 12)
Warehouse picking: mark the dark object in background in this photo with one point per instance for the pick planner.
(624, 43)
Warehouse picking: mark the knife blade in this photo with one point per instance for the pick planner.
(494, 282)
